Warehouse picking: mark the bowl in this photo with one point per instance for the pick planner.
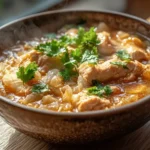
(82, 127)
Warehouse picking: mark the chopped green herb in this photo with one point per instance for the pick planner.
(65, 74)
(77, 54)
(50, 48)
(69, 64)
(89, 57)
(65, 41)
(80, 36)
(123, 55)
(26, 74)
(40, 88)
(87, 39)
(86, 50)
(119, 63)
(90, 39)
(100, 90)
(108, 90)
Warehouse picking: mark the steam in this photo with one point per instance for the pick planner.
(18, 32)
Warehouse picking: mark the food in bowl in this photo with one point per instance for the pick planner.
(80, 68)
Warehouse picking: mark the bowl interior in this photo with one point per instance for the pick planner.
(38, 25)
(41, 24)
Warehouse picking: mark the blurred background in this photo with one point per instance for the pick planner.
(14, 9)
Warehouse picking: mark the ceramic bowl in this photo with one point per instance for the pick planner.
(83, 127)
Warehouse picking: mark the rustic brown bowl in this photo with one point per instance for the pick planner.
(81, 127)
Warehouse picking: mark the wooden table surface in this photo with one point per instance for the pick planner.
(10, 139)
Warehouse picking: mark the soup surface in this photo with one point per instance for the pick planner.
(77, 69)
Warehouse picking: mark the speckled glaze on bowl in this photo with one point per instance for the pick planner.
(72, 127)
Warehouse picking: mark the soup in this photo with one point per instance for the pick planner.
(77, 69)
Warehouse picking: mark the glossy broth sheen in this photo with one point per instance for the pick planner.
(78, 69)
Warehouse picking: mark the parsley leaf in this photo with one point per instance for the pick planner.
(69, 65)
(80, 35)
(55, 47)
(86, 50)
(108, 90)
(89, 57)
(50, 48)
(119, 63)
(65, 74)
(40, 88)
(100, 90)
(77, 54)
(65, 40)
(123, 55)
(90, 39)
(26, 74)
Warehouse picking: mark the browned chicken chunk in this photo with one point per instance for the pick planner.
(105, 47)
(137, 53)
(88, 103)
(45, 63)
(106, 71)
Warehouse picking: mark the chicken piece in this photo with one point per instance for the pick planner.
(137, 53)
(88, 103)
(45, 63)
(35, 56)
(105, 47)
(107, 71)
(135, 47)
(133, 41)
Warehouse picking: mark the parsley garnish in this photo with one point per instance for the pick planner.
(89, 56)
(86, 50)
(69, 64)
(90, 39)
(27, 73)
(67, 73)
(123, 55)
(120, 63)
(40, 88)
(100, 90)
(50, 49)
(80, 36)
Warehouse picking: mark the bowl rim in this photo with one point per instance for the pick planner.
(88, 114)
